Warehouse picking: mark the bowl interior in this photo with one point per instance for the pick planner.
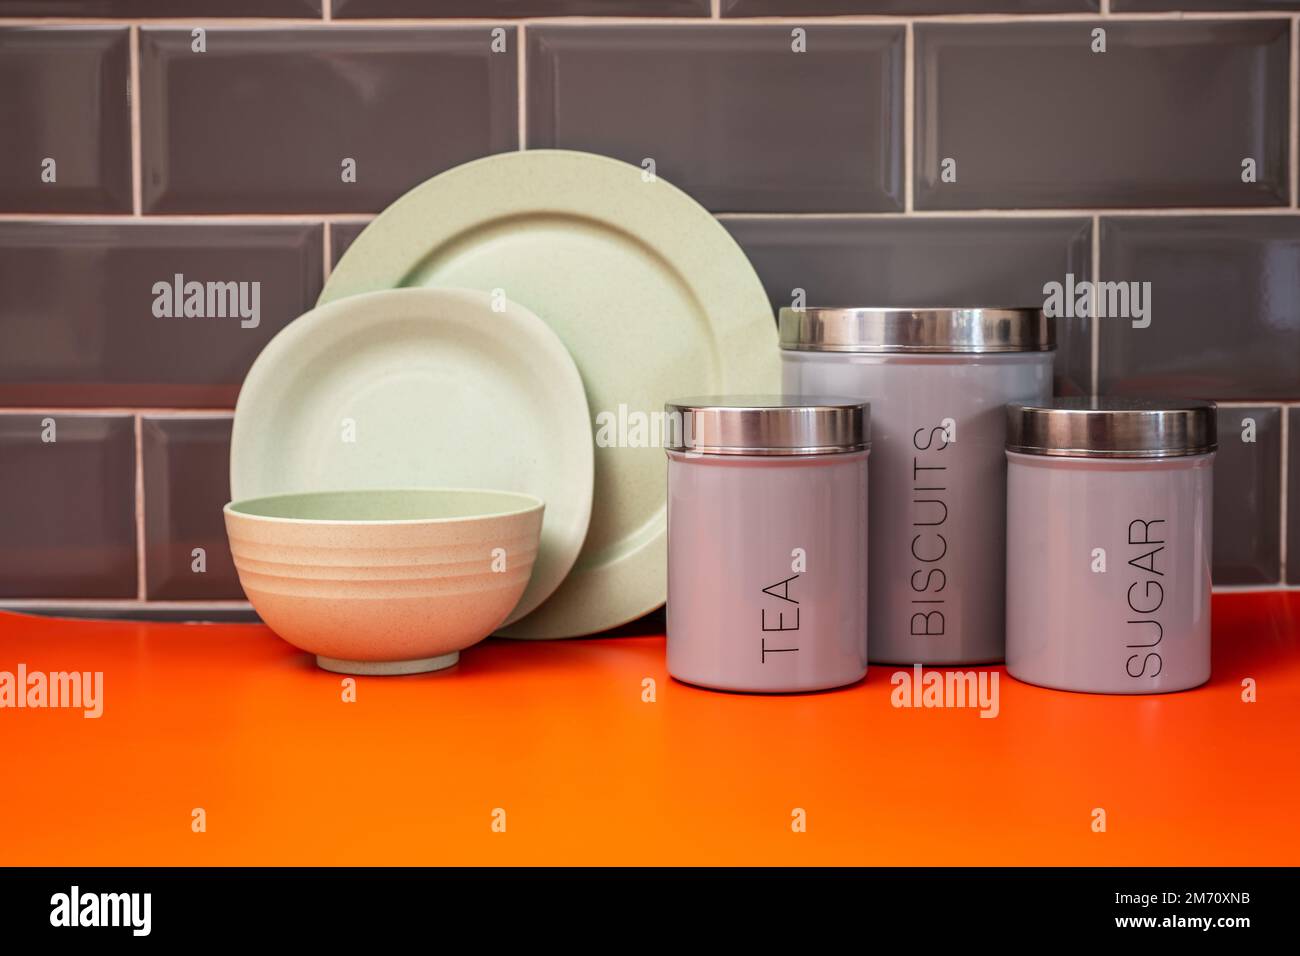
(401, 504)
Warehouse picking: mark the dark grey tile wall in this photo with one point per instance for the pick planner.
(521, 8)
(186, 465)
(160, 8)
(65, 120)
(342, 235)
(925, 262)
(730, 113)
(84, 323)
(68, 507)
(318, 119)
(1027, 115)
(1248, 495)
(801, 153)
(1225, 306)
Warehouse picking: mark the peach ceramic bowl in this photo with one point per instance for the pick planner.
(385, 582)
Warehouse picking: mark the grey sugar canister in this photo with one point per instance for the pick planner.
(767, 542)
(1109, 505)
(938, 381)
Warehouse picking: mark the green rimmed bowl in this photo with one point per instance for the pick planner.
(385, 582)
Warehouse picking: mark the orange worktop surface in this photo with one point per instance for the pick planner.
(227, 718)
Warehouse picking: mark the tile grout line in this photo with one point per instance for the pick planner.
(198, 218)
(521, 81)
(235, 604)
(304, 218)
(139, 509)
(1254, 402)
(1063, 212)
(137, 161)
(180, 22)
(715, 9)
(118, 411)
(1094, 326)
(196, 604)
(309, 218)
(327, 248)
(909, 118)
(327, 10)
(1295, 111)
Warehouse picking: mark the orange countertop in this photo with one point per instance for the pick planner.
(228, 718)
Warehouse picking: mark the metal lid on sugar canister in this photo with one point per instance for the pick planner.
(1113, 428)
(973, 330)
(767, 425)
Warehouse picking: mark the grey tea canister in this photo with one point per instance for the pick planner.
(938, 381)
(1109, 536)
(767, 542)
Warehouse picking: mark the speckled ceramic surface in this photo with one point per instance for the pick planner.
(649, 293)
(422, 388)
(385, 582)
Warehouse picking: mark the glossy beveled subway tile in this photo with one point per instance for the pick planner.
(160, 8)
(318, 119)
(186, 464)
(521, 8)
(911, 8)
(67, 505)
(919, 262)
(65, 119)
(1220, 297)
(1173, 113)
(342, 235)
(1248, 495)
(104, 313)
(731, 113)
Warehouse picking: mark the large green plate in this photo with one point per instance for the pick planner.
(652, 297)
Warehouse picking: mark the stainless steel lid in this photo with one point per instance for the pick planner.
(767, 425)
(916, 330)
(1112, 428)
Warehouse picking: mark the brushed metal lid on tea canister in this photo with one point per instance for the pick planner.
(767, 425)
(973, 330)
(1113, 428)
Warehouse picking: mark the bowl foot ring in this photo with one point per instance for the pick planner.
(421, 665)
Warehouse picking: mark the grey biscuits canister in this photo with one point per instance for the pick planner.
(938, 381)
